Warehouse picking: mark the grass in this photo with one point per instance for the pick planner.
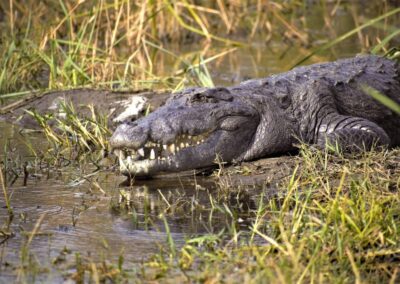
(71, 135)
(382, 98)
(335, 219)
(107, 44)
(4, 188)
(127, 44)
(354, 31)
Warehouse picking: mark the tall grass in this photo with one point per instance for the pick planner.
(126, 44)
(109, 43)
(68, 131)
(388, 102)
(5, 193)
(356, 30)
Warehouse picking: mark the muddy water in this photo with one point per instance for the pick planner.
(98, 223)
(78, 217)
(97, 216)
(93, 223)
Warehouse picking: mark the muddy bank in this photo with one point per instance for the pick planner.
(118, 106)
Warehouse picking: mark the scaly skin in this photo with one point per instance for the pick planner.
(320, 104)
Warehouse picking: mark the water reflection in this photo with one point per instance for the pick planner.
(127, 219)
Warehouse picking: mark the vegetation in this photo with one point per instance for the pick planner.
(72, 133)
(130, 44)
(334, 219)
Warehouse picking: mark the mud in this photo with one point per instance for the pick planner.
(109, 103)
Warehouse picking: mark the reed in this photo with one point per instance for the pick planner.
(122, 43)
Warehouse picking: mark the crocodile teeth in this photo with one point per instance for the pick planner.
(120, 154)
(156, 151)
(152, 154)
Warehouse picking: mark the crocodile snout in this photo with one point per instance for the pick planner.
(128, 135)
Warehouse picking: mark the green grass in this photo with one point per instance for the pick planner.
(126, 44)
(354, 31)
(110, 43)
(5, 193)
(334, 220)
(67, 130)
(388, 102)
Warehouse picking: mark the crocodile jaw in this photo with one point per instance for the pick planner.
(153, 157)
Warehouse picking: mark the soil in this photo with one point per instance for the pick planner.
(110, 103)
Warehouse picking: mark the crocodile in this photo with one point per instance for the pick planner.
(323, 104)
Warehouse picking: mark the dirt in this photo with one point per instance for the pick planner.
(110, 103)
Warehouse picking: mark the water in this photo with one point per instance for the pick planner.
(75, 216)
(83, 218)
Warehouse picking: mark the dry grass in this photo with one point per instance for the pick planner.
(127, 44)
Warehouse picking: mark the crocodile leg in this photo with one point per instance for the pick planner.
(350, 133)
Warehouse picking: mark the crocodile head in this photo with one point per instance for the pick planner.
(188, 132)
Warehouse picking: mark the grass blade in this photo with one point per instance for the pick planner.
(347, 35)
(386, 101)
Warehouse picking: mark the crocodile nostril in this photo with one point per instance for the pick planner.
(117, 140)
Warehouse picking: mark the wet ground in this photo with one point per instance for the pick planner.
(96, 224)
(100, 217)
(93, 215)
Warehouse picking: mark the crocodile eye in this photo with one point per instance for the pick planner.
(283, 99)
(202, 98)
(212, 96)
